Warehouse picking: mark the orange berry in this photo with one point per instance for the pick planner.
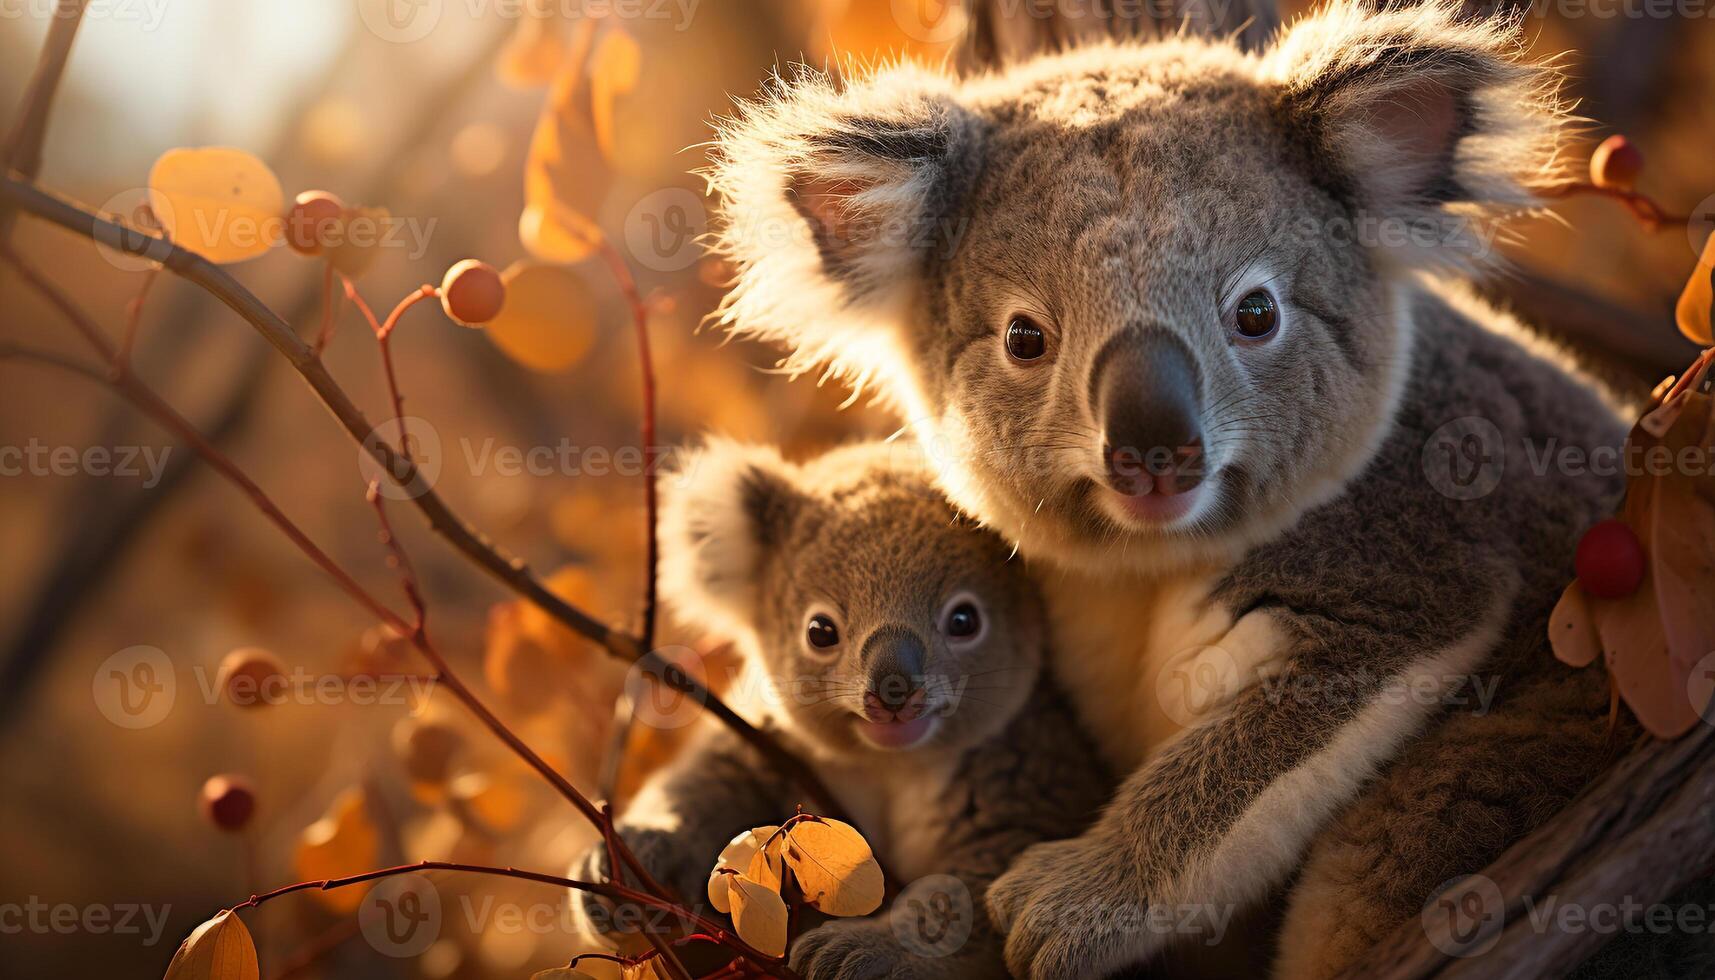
(227, 802)
(472, 293)
(312, 219)
(1616, 163)
(251, 677)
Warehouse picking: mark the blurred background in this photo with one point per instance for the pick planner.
(454, 116)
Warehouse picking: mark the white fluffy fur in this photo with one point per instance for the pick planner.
(1398, 64)
(709, 546)
(782, 293)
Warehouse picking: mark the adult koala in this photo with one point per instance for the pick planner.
(1185, 324)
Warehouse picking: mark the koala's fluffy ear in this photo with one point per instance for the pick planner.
(1422, 113)
(833, 201)
(722, 510)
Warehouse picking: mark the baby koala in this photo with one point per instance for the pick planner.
(891, 643)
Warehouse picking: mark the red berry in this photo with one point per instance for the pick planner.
(472, 292)
(1610, 561)
(312, 219)
(1616, 163)
(227, 802)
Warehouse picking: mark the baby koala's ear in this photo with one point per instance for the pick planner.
(1417, 109)
(722, 511)
(833, 202)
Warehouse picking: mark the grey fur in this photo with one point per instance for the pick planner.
(863, 534)
(1127, 189)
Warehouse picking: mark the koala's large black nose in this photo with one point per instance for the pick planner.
(1145, 390)
(893, 658)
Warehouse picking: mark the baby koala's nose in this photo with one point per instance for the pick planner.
(893, 657)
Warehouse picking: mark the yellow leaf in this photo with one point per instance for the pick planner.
(220, 202)
(565, 177)
(1696, 310)
(219, 949)
(1571, 631)
(617, 64)
(534, 52)
(557, 234)
(767, 865)
(343, 842)
(834, 867)
(736, 856)
(759, 915)
(548, 323)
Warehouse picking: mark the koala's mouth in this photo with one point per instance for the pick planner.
(897, 735)
(1155, 508)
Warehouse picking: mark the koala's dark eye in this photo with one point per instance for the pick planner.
(964, 621)
(822, 633)
(1257, 315)
(1025, 339)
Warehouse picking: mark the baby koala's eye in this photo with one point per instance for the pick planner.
(1025, 339)
(1257, 315)
(822, 633)
(964, 621)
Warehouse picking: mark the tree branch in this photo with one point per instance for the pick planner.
(512, 572)
(1641, 833)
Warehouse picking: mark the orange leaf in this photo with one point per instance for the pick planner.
(618, 63)
(1696, 310)
(1683, 540)
(343, 842)
(565, 177)
(1634, 640)
(548, 321)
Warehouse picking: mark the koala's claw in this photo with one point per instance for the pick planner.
(851, 949)
(1065, 908)
(662, 854)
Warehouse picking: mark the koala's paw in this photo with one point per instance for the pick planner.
(1070, 909)
(667, 860)
(854, 949)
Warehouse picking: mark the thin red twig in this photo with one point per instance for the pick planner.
(153, 406)
(640, 323)
(324, 336)
(134, 317)
(442, 519)
(607, 890)
(1645, 208)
